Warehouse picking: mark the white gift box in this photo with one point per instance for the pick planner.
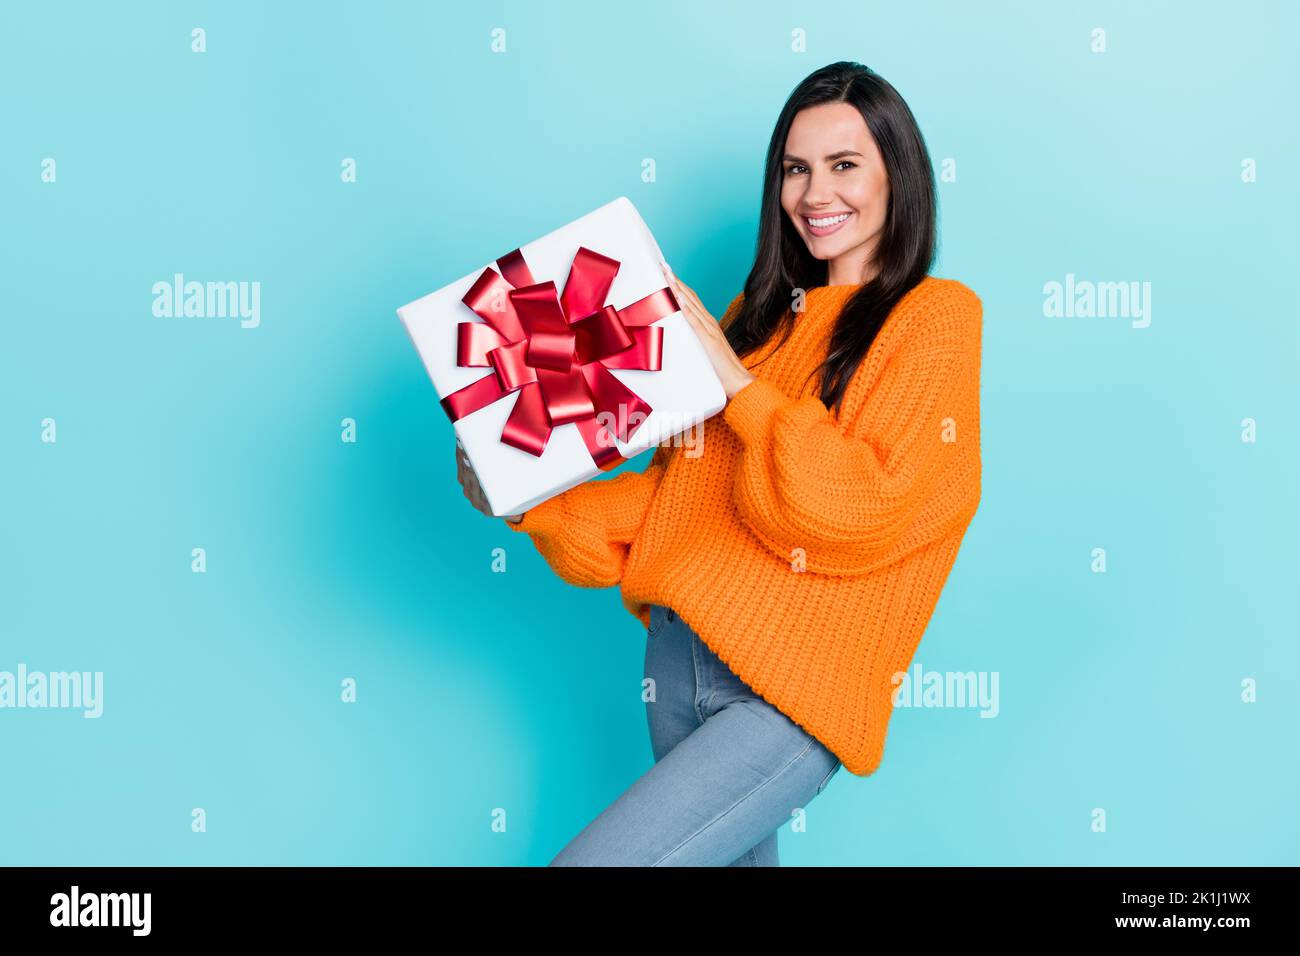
(683, 392)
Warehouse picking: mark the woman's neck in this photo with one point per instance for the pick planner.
(849, 274)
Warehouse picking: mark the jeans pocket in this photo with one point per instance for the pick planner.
(657, 618)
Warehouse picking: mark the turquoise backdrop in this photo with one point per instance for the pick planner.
(1169, 158)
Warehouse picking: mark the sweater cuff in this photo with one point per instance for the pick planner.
(750, 411)
(547, 518)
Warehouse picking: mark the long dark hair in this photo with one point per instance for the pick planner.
(782, 262)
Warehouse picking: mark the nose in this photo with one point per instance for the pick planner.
(818, 193)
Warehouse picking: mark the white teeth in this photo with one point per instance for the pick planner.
(823, 223)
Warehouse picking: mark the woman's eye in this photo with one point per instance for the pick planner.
(842, 162)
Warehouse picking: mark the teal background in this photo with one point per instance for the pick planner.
(480, 690)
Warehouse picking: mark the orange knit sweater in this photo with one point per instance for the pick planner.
(806, 550)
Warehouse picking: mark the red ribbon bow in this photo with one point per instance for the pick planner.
(557, 352)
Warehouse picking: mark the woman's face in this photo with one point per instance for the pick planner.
(835, 176)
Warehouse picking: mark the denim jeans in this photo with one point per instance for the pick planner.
(730, 769)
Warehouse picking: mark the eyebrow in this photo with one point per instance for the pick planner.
(787, 158)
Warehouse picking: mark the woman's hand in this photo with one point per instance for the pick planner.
(472, 489)
(731, 371)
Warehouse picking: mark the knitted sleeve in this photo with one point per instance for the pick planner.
(585, 533)
(857, 497)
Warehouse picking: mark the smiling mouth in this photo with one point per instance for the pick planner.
(825, 225)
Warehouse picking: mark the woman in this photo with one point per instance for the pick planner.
(786, 574)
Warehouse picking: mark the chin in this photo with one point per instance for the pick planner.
(827, 251)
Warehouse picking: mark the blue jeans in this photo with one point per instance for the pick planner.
(730, 769)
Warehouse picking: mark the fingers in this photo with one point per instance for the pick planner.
(699, 317)
(469, 483)
(684, 294)
(696, 315)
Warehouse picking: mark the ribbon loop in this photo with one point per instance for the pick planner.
(601, 335)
